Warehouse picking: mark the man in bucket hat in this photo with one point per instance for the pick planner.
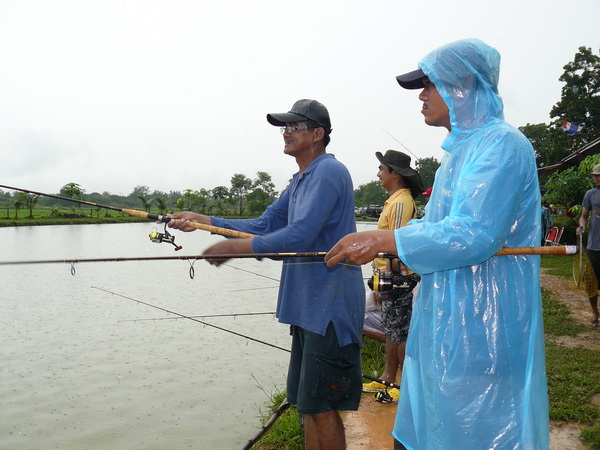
(591, 203)
(324, 307)
(403, 184)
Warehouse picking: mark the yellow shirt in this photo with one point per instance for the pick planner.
(397, 211)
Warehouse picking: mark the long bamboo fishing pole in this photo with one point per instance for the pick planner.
(182, 257)
(137, 213)
(550, 250)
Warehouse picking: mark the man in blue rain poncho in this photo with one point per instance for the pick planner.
(474, 374)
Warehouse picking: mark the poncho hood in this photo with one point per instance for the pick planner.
(466, 74)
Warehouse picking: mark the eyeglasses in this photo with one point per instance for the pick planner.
(290, 130)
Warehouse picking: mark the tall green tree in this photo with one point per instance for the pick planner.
(427, 168)
(190, 198)
(579, 104)
(549, 142)
(202, 197)
(220, 194)
(72, 190)
(263, 193)
(370, 194)
(140, 190)
(580, 97)
(240, 186)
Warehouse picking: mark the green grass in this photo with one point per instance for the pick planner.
(557, 319)
(561, 266)
(573, 378)
(77, 216)
(286, 433)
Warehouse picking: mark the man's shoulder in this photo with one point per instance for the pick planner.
(593, 194)
(499, 129)
(400, 196)
(330, 165)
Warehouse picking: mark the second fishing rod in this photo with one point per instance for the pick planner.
(137, 213)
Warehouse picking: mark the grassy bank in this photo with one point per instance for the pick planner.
(573, 373)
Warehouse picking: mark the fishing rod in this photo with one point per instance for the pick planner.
(183, 316)
(191, 259)
(181, 257)
(143, 214)
(550, 250)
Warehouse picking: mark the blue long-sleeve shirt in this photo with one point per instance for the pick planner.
(311, 215)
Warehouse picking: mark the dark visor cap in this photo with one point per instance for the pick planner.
(412, 80)
(302, 110)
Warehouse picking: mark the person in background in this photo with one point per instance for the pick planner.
(474, 374)
(403, 184)
(372, 327)
(324, 307)
(546, 221)
(591, 204)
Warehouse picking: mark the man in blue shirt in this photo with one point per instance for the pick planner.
(591, 204)
(324, 306)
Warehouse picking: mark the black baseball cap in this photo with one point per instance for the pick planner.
(302, 110)
(412, 80)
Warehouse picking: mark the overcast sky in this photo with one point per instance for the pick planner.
(173, 94)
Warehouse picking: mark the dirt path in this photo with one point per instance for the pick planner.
(370, 427)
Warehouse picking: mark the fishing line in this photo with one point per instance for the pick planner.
(234, 315)
(405, 147)
(193, 318)
(183, 316)
(253, 273)
(255, 289)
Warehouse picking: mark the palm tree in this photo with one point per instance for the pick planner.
(31, 202)
(19, 202)
(180, 204)
(161, 203)
(145, 203)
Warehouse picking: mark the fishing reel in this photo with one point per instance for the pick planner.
(167, 237)
(387, 281)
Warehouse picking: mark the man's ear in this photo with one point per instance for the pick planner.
(319, 134)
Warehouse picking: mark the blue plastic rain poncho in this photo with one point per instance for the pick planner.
(474, 375)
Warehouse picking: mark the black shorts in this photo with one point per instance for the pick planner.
(322, 375)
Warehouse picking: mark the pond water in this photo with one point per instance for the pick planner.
(84, 368)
